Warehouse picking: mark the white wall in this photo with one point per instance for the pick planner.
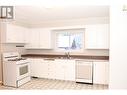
(118, 48)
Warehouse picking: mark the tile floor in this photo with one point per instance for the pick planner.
(49, 84)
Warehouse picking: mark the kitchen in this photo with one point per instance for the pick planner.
(62, 45)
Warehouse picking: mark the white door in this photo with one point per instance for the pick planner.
(36, 67)
(11, 34)
(31, 66)
(45, 39)
(101, 72)
(69, 71)
(28, 39)
(44, 73)
(15, 34)
(32, 38)
(60, 69)
(97, 36)
(35, 71)
(51, 69)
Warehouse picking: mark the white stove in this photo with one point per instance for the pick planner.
(16, 70)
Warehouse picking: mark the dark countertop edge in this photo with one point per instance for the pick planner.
(59, 56)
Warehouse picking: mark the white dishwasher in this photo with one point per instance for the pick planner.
(84, 71)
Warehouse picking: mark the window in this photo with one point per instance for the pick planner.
(70, 39)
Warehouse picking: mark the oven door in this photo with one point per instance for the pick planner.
(23, 70)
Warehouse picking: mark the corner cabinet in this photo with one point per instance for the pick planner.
(38, 38)
(13, 33)
(97, 36)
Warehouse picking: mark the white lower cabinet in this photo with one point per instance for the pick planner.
(36, 69)
(101, 73)
(69, 70)
(32, 69)
(44, 69)
(63, 69)
(57, 69)
(51, 69)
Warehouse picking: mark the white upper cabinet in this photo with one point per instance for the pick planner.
(32, 39)
(97, 36)
(45, 39)
(38, 38)
(13, 33)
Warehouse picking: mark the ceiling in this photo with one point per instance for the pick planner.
(39, 14)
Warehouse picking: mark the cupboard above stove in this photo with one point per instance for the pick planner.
(12, 33)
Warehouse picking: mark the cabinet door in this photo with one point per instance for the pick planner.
(101, 72)
(32, 37)
(31, 65)
(15, 34)
(97, 36)
(69, 71)
(28, 39)
(44, 73)
(19, 34)
(60, 69)
(11, 34)
(51, 69)
(39, 68)
(45, 39)
(36, 68)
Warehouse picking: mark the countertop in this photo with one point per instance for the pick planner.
(63, 57)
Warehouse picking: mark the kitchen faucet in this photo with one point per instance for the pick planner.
(67, 55)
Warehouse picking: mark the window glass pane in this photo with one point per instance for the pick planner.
(71, 39)
(63, 41)
(76, 41)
